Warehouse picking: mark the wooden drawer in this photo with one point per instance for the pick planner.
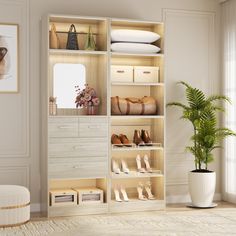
(93, 127)
(122, 73)
(146, 74)
(77, 147)
(63, 127)
(77, 167)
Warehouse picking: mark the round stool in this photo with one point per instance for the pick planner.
(14, 205)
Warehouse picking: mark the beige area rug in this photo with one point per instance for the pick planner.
(213, 222)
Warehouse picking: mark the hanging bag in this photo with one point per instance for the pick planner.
(54, 40)
(72, 42)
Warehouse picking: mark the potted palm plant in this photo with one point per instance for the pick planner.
(201, 111)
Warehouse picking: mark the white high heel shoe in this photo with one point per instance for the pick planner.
(117, 194)
(115, 167)
(149, 192)
(124, 167)
(140, 192)
(139, 166)
(124, 193)
(146, 161)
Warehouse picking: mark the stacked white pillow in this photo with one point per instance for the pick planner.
(134, 41)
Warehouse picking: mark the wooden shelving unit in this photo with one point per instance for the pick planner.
(76, 148)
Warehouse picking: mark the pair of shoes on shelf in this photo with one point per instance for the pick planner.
(142, 138)
(147, 187)
(116, 167)
(146, 162)
(120, 140)
(123, 192)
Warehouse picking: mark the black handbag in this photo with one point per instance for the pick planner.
(72, 42)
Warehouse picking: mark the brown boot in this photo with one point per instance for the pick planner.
(146, 138)
(137, 138)
(115, 140)
(123, 138)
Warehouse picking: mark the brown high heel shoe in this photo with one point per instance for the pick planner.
(123, 138)
(115, 140)
(146, 138)
(137, 138)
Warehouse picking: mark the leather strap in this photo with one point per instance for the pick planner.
(143, 109)
(128, 107)
(118, 103)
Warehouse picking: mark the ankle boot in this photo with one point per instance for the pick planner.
(137, 138)
(146, 138)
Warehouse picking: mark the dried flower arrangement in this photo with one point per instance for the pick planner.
(86, 97)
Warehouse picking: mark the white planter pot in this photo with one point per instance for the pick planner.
(202, 188)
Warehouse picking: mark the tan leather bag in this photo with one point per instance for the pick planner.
(133, 106)
(54, 40)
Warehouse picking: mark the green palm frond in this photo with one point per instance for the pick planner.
(177, 104)
(214, 98)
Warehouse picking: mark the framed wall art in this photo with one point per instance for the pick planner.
(8, 58)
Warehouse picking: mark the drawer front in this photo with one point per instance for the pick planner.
(122, 73)
(146, 74)
(77, 147)
(77, 167)
(63, 127)
(93, 127)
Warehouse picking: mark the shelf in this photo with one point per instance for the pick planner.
(136, 117)
(85, 209)
(137, 205)
(74, 52)
(135, 174)
(137, 54)
(136, 148)
(137, 84)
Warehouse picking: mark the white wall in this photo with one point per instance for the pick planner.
(28, 132)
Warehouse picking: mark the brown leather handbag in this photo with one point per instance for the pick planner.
(133, 106)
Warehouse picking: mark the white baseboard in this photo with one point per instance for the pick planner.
(186, 198)
(35, 207)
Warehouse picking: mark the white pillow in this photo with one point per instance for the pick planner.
(136, 36)
(134, 48)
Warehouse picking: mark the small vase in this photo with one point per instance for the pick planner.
(92, 110)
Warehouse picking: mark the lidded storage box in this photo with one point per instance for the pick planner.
(146, 74)
(63, 197)
(89, 195)
(121, 73)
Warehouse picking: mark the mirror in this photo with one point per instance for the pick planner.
(65, 78)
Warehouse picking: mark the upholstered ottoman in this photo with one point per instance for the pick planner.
(14, 205)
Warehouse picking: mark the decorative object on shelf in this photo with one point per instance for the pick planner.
(140, 189)
(72, 41)
(202, 112)
(150, 196)
(115, 167)
(146, 138)
(89, 195)
(87, 98)
(63, 197)
(54, 39)
(133, 106)
(138, 139)
(52, 106)
(117, 191)
(90, 42)
(8, 58)
(139, 165)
